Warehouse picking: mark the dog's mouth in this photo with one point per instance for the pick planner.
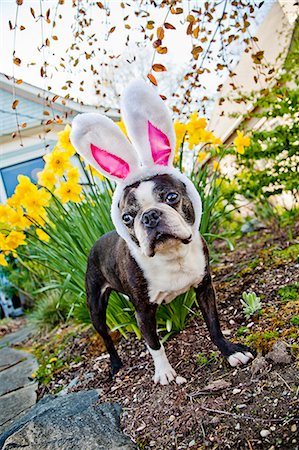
(161, 239)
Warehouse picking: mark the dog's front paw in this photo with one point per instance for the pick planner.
(239, 355)
(166, 375)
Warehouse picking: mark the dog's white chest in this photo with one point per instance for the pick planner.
(175, 273)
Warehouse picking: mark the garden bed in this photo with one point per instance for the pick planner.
(252, 407)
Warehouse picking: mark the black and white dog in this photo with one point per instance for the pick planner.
(156, 252)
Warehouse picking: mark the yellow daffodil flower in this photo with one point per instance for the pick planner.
(69, 191)
(42, 235)
(3, 261)
(180, 131)
(17, 219)
(39, 216)
(241, 142)
(35, 203)
(46, 178)
(14, 240)
(57, 161)
(201, 156)
(73, 175)
(4, 213)
(64, 141)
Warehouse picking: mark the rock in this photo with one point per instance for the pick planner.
(17, 337)
(75, 421)
(236, 391)
(217, 385)
(258, 365)
(17, 375)
(9, 357)
(265, 433)
(15, 404)
(279, 354)
(252, 225)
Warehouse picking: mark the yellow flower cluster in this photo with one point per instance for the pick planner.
(241, 142)
(26, 208)
(195, 133)
(58, 165)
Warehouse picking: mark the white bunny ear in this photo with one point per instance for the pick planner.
(148, 123)
(101, 142)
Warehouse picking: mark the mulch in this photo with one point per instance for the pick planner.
(252, 407)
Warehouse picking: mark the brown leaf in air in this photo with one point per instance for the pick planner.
(159, 68)
(17, 61)
(32, 12)
(162, 50)
(168, 26)
(15, 104)
(160, 33)
(152, 79)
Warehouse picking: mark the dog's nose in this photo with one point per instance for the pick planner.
(151, 218)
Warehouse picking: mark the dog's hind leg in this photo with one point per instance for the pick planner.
(236, 354)
(97, 293)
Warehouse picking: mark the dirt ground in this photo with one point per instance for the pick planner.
(252, 407)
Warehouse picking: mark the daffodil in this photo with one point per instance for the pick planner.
(36, 202)
(180, 132)
(64, 141)
(57, 161)
(201, 156)
(42, 235)
(73, 175)
(3, 261)
(196, 123)
(4, 213)
(241, 142)
(69, 191)
(14, 240)
(46, 178)
(17, 219)
(38, 216)
(24, 189)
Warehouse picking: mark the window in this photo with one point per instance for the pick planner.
(28, 168)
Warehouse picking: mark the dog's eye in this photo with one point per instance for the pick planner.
(127, 219)
(172, 198)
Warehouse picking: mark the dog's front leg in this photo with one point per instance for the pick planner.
(164, 372)
(236, 354)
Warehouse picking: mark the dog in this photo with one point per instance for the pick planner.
(156, 252)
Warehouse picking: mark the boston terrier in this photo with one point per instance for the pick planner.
(156, 252)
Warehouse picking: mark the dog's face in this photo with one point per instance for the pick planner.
(158, 214)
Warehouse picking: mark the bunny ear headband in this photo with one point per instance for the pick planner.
(151, 150)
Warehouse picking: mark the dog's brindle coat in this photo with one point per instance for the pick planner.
(111, 266)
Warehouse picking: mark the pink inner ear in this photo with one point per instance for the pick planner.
(160, 145)
(110, 163)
